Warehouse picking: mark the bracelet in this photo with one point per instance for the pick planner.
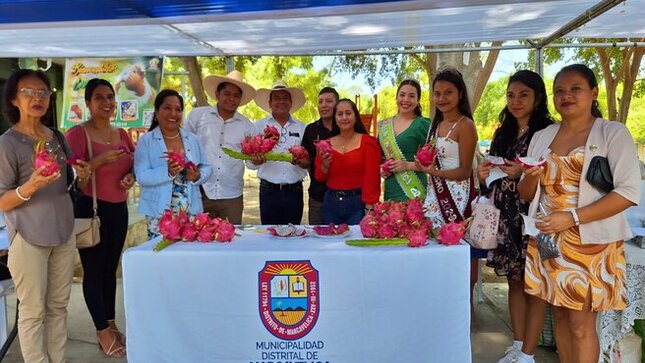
(24, 199)
(576, 220)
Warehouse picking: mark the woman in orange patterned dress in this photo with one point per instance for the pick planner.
(588, 225)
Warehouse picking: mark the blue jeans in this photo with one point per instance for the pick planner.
(280, 206)
(341, 206)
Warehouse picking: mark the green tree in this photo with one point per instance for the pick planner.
(261, 72)
(616, 66)
(476, 66)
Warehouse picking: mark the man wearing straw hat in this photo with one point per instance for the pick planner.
(219, 126)
(281, 196)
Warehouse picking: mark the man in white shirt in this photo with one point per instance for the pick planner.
(219, 126)
(281, 196)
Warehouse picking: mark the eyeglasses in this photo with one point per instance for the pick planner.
(40, 93)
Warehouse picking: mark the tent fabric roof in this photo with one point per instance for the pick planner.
(74, 28)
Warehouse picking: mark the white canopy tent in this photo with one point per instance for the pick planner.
(33, 28)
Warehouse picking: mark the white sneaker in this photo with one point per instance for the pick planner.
(510, 355)
(520, 360)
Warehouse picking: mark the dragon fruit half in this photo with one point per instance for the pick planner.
(45, 159)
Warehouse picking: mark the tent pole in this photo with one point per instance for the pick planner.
(539, 61)
(230, 64)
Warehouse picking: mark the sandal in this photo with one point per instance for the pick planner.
(115, 350)
(115, 330)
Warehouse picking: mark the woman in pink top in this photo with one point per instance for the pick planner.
(112, 165)
(351, 169)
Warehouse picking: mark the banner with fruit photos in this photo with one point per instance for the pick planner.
(136, 82)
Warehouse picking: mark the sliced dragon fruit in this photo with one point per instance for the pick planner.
(530, 162)
(286, 231)
(331, 229)
(496, 160)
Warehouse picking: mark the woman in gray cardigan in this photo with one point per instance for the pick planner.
(587, 224)
(39, 216)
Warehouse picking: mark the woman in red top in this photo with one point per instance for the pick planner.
(351, 169)
(112, 165)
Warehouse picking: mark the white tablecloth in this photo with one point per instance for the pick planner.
(613, 325)
(195, 302)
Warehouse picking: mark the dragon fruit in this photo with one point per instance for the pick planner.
(451, 233)
(188, 232)
(426, 154)
(385, 231)
(169, 226)
(496, 160)
(270, 132)
(323, 146)
(386, 167)
(331, 229)
(368, 225)
(206, 234)
(299, 152)
(417, 237)
(74, 159)
(530, 162)
(176, 156)
(44, 159)
(286, 231)
(225, 232)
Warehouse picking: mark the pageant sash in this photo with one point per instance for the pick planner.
(407, 180)
(447, 204)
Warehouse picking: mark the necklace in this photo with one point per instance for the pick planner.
(171, 137)
(523, 130)
(106, 141)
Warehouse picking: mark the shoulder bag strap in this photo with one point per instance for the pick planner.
(90, 155)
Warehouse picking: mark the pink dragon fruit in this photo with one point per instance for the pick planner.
(451, 233)
(169, 226)
(426, 154)
(385, 231)
(177, 157)
(299, 152)
(74, 159)
(200, 220)
(270, 132)
(183, 217)
(247, 146)
(43, 159)
(386, 167)
(267, 145)
(206, 234)
(368, 225)
(417, 238)
(225, 232)
(188, 232)
(323, 146)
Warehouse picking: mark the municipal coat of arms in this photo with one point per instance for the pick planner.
(288, 298)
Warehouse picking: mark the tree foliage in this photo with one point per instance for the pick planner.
(618, 67)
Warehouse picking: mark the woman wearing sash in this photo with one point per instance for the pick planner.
(451, 184)
(400, 138)
(351, 169)
(525, 113)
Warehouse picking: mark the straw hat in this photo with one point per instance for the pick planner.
(297, 96)
(212, 82)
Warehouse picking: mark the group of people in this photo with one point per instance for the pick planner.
(346, 178)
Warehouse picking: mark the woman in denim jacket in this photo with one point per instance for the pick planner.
(166, 182)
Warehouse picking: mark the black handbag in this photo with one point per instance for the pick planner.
(599, 174)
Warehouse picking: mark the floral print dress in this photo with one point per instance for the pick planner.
(178, 201)
(509, 257)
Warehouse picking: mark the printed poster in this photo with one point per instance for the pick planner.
(136, 82)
